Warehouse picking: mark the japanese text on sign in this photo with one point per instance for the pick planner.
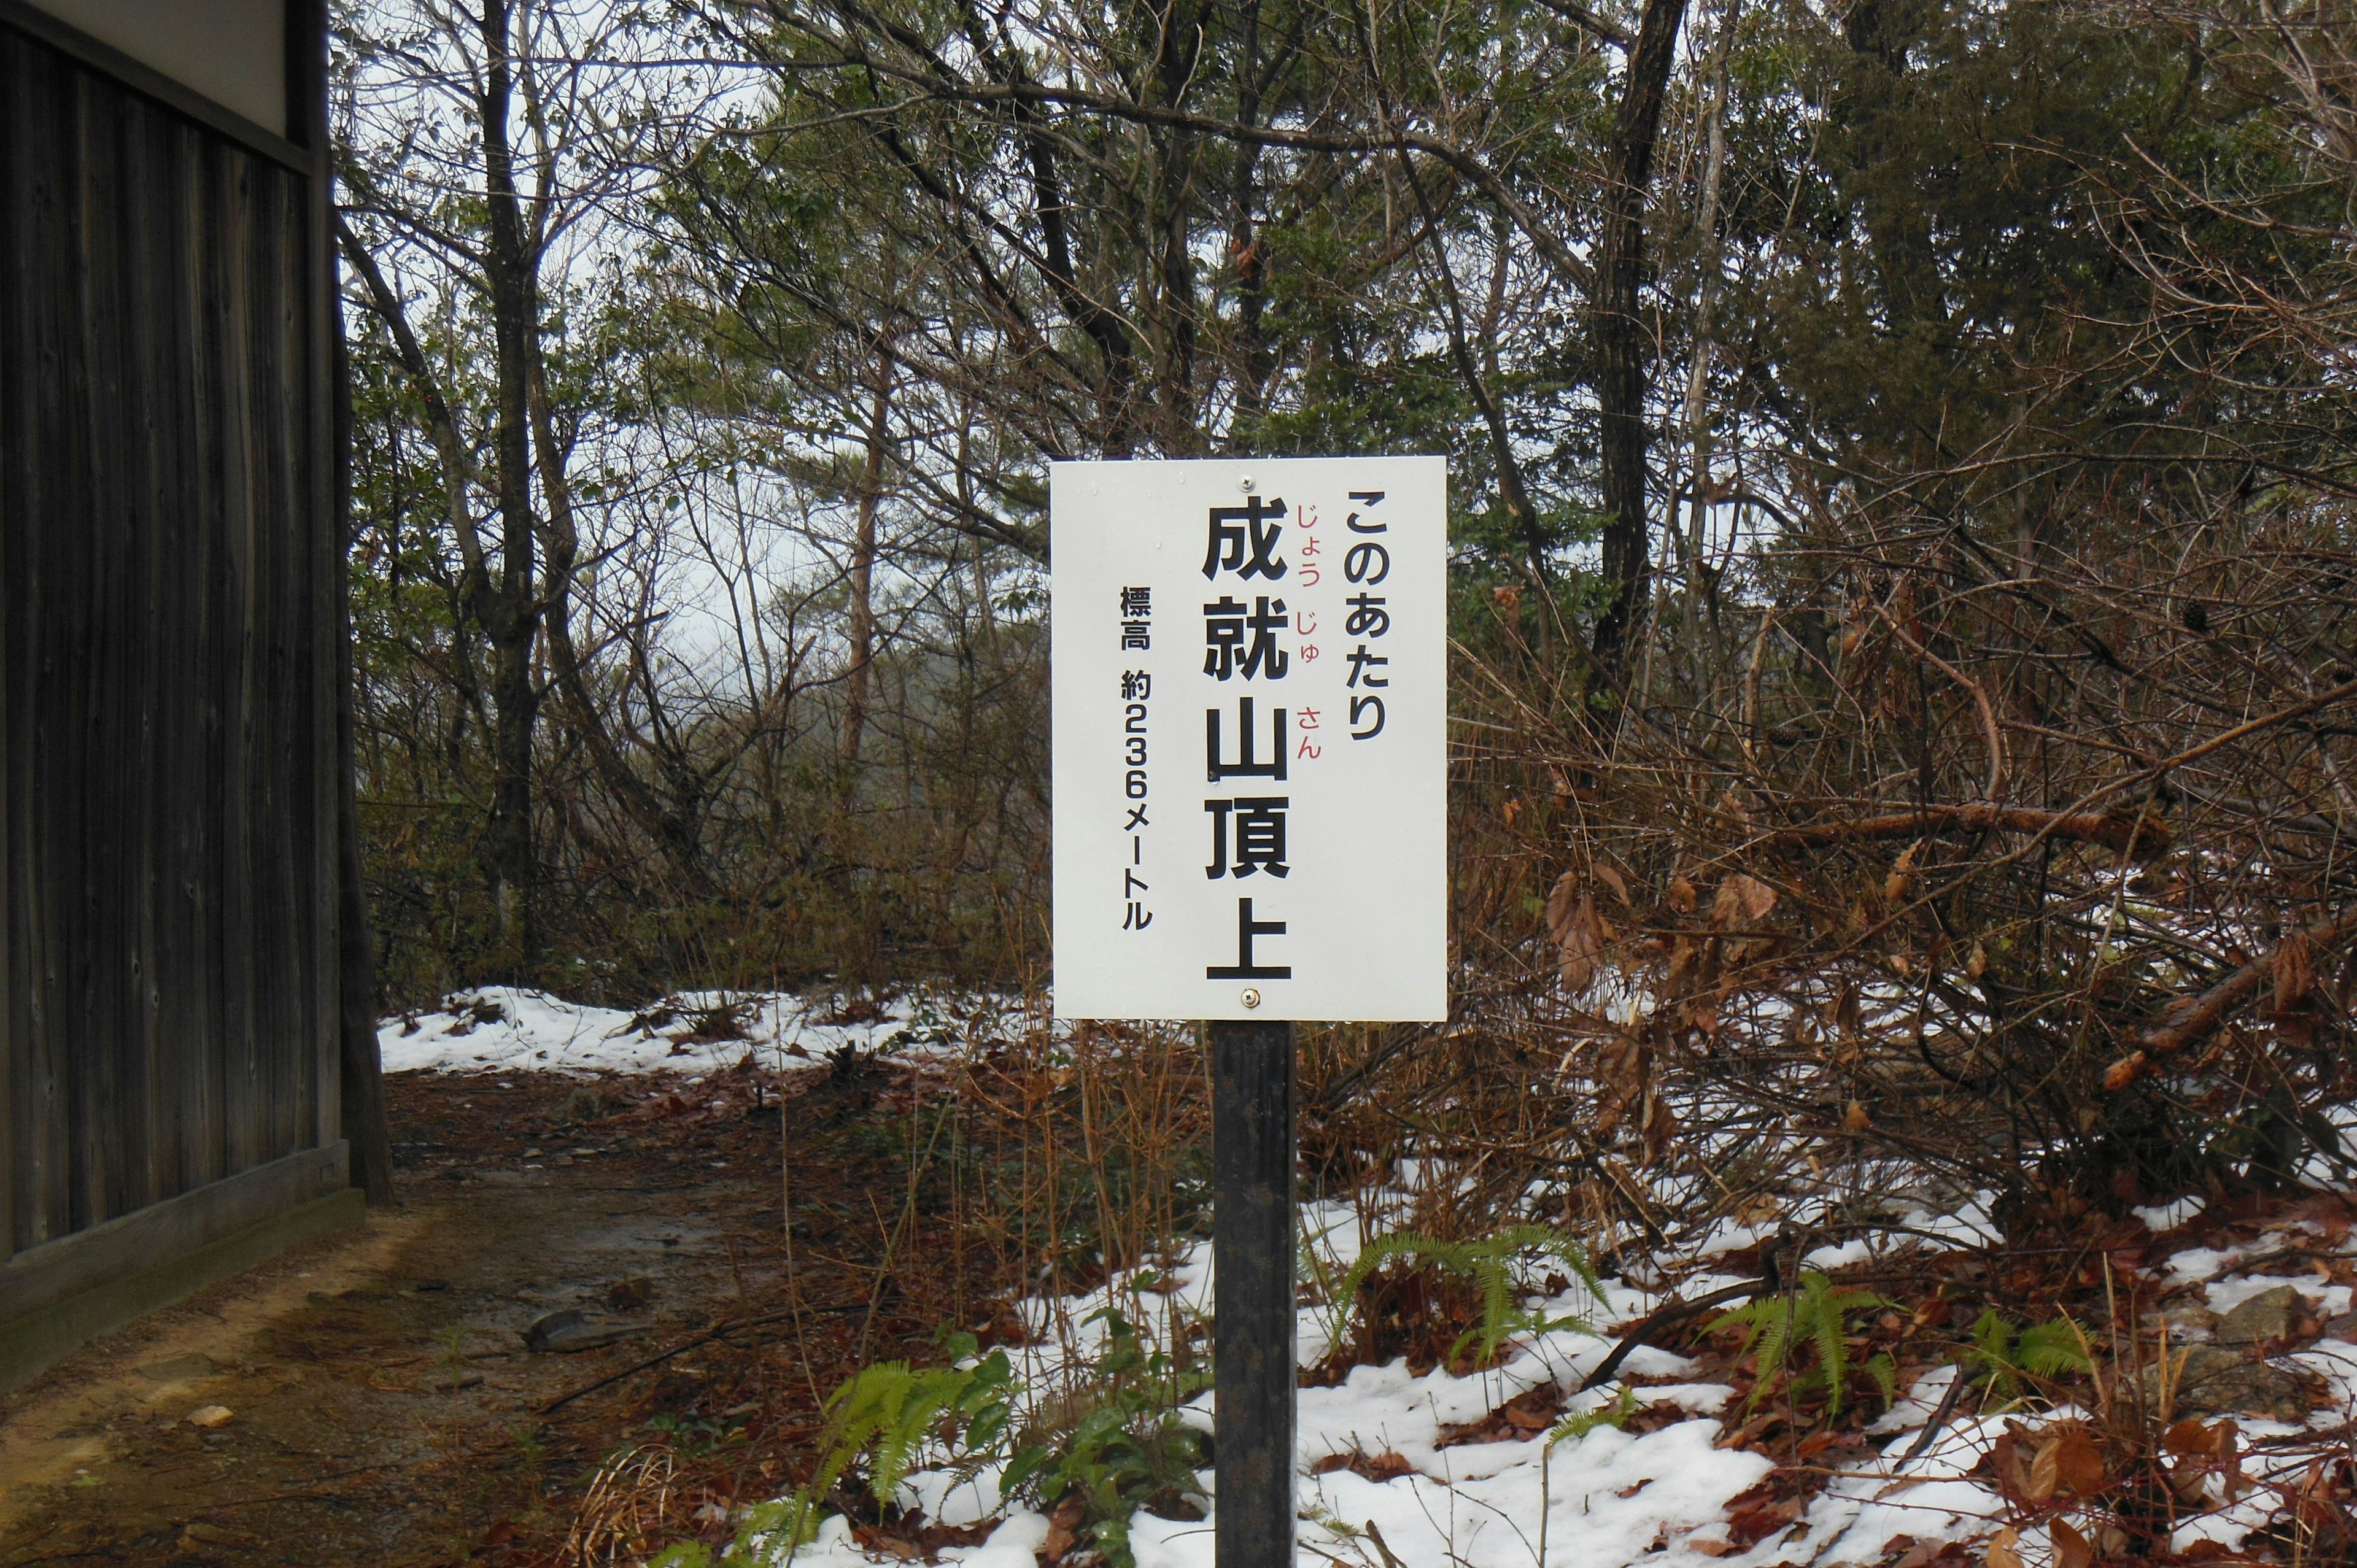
(1250, 824)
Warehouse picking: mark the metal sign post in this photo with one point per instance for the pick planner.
(1253, 1333)
(1250, 776)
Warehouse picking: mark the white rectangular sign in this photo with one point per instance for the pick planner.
(1250, 723)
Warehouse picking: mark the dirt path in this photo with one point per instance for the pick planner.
(384, 1408)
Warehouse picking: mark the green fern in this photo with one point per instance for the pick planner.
(1885, 1373)
(1487, 1261)
(1572, 1428)
(1817, 1316)
(887, 1412)
(1126, 1444)
(2004, 1358)
(1117, 1443)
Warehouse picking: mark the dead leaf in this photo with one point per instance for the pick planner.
(1623, 1076)
(1895, 886)
(1741, 900)
(1976, 963)
(2295, 970)
(1682, 894)
(2045, 1471)
(1681, 963)
(2189, 1437)
(2007, 1459)
(1614, 880)
(1064, 1528)
(1384, 1467)
(2080, 1464)
(1578, 934)
(2004, 1549)
(1658, 1128)
(1855, 1120)
(1750, 1525)
(2070, 1548)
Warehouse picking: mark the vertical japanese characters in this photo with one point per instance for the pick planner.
(1240, 646)
(1137, 690)
(1365, 563)
(1273, 630)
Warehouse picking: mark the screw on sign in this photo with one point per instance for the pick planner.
(1250, 830)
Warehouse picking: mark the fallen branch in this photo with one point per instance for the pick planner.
(1939, 1418)
(311, 1491)
(723, 1332)
(1784, 1266)
(2192, 1018)
(1666, 1315)
(2120, 830)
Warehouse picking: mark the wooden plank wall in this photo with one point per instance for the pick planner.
(167, 909)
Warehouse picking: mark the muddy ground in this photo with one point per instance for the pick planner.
(384, 1405)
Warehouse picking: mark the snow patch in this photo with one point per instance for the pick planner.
(2166, 1217)
(503, 1028)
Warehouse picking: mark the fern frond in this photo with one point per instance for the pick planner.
(2052, 1349)
(1824, 1308)
(1373, 1256)
(1817, 1314)
(1497, 1300)
(1578, 1425)
(1774, 1340)
(1885, 1373)
(1750, 1318)
(2001, 1357)
(1489, 1261)
(1547, 1241)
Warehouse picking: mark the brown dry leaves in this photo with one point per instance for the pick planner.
(2196, 1449)
(2034, 1468)
(2070, 1548)
(2295, 970)
(1581, 933)
(1742, 901)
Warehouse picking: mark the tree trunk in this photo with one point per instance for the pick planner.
(675, 824)
(1244, 248)
(1182, 33)
(1694, 547)
(1622, 352)
(508, 613)
(858, 677)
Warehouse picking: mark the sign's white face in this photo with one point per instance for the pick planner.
(1251, 719)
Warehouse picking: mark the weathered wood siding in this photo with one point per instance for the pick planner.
(167, 909)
